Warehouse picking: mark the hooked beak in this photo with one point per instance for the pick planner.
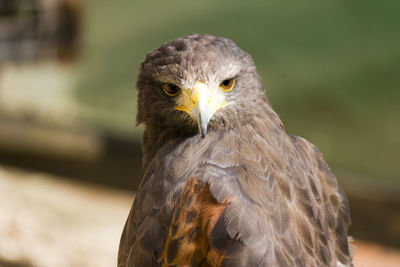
(200, 103)
(203, 112)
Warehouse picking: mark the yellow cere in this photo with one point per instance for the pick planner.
(189, 97)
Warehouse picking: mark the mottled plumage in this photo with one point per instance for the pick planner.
(245, 194)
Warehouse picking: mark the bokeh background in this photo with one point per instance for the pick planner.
(70, 150)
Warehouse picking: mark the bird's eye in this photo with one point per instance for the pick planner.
(227, 85)
(171, 89)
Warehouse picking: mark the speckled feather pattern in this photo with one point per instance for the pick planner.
(247, 194)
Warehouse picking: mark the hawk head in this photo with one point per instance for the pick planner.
(197, 83)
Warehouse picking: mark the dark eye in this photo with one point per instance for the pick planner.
(171, 89)
(227, 85)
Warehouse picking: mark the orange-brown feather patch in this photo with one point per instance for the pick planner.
(195, 215)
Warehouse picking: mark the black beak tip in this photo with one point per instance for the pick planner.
(203, 131)
(203, 124)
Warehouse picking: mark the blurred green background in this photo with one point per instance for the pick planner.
(330, 68)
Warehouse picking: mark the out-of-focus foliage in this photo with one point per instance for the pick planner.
(330, 68)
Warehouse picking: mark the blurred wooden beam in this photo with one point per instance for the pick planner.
(83, 154)
(35, 140)
(374, 206)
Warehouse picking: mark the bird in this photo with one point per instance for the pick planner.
(224, 184)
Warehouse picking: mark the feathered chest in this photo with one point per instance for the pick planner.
(250, 193)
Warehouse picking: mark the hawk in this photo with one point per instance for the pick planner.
(224, 184)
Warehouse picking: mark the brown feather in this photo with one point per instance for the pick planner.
(194, 218)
